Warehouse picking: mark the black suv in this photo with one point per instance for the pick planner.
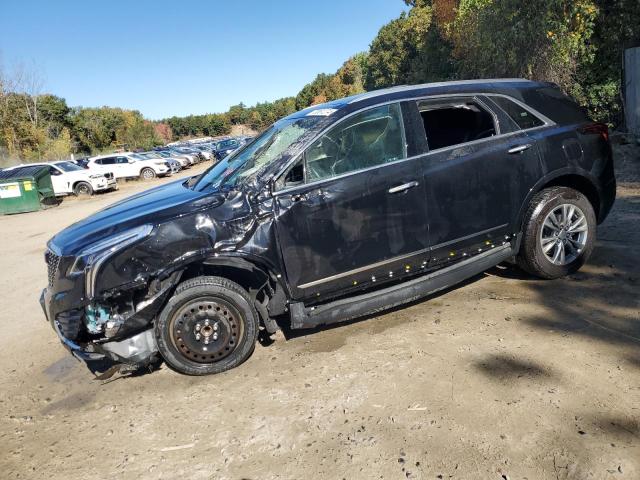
(334, 212)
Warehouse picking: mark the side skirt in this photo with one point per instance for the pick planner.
(384, 299)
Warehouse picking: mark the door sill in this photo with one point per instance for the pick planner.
(405, 292)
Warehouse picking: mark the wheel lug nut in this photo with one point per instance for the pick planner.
(206, 341)
(215, 326)
(197, 327)
(206, 322)
(215, 336)
(197, 336)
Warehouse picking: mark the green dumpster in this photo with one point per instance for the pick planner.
(25, 189)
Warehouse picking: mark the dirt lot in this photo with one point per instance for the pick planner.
(505, 377)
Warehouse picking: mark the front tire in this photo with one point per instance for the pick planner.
(82, 188)
(147, 173)
(208, 326)
(559, 233)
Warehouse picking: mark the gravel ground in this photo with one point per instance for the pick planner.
(504, 377)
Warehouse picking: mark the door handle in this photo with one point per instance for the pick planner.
(519, 148)
(298, 197)
(404, 187)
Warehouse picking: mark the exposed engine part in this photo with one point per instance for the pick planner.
(112, 326)
(134, 350)
(96, 317)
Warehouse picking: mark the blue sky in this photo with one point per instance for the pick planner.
(180, 57)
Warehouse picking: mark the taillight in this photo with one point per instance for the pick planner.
(596, 129)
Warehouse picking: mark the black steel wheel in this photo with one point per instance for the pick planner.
(208, 326)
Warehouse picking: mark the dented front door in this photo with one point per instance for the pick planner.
(353, 231)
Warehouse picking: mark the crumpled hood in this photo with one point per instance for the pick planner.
(152, 206)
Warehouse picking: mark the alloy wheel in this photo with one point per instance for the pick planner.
(563, 235)
(83, 189)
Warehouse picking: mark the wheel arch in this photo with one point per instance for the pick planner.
(263, 283)
(571, 178)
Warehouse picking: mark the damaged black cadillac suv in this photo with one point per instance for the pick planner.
(334, 212)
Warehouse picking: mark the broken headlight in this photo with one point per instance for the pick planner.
(91, 258)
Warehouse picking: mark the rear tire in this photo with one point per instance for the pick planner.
(559, 232)
(208, 326)
(147, 173)
(82, 188)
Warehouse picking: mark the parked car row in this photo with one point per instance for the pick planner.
(88, 175)
(210, 150)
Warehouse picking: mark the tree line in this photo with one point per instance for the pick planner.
(577, 44)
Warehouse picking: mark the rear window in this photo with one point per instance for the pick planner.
(520, 115)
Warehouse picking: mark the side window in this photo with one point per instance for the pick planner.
(54, 171)
(122, 160)
(108, 161)
(367, 139)
(523, 117)
(295, 175)
(454, 121)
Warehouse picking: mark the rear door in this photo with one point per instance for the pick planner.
(108, 164)
(477, 172)
(351, 211)
(130, 167)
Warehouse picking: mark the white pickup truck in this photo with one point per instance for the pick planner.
(68, 178)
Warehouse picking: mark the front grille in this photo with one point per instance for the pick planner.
(53, 261)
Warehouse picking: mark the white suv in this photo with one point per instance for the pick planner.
(68, 178)
(125, 165)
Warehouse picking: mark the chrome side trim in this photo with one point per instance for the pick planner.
(407, 88)
(362, 269)
(396, 259)
(547, 123)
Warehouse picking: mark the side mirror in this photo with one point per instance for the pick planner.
(265, 193)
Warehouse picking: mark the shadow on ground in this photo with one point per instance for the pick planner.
(506, 368)
(602, 300)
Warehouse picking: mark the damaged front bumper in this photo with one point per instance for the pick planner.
(139, 349)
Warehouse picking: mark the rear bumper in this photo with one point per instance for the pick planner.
(607, 199)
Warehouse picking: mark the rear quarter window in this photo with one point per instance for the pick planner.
(554, 104)
(520, 115)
